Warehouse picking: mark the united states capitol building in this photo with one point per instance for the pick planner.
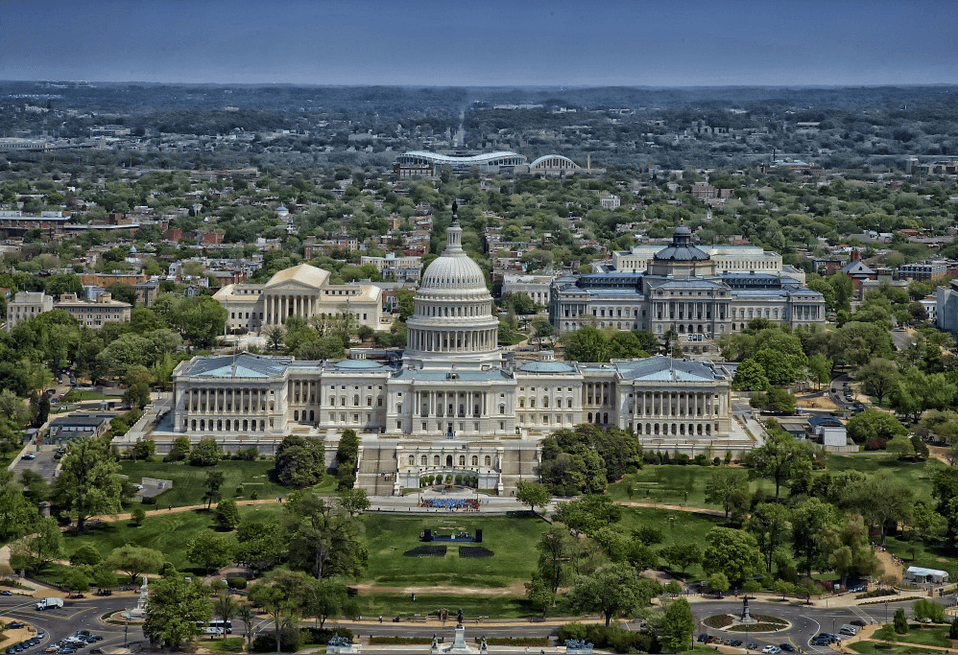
(453, 404)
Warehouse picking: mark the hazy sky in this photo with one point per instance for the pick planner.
(487, 42)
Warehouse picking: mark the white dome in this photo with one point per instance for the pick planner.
(453, 272)
(453, 322)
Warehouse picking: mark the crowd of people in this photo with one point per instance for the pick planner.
(468, 504)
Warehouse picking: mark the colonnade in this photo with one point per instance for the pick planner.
(434, 340)
(671, 404)
(451, 404)
(688, 310)
(233, 400)
(278, 308)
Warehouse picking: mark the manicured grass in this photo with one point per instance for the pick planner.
(671, 484)
(933, 635)
(474, 606)
(918, 475)
(189, 482)
(79, 395)
(512, 540)
(168, 532)
(881, 648)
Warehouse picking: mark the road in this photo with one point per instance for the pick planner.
(87, 613)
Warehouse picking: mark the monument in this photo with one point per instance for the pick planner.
(138, 613)
(459, 643)
(746, 617)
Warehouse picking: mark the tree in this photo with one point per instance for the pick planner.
(324, 598)
(206, 453)
(323, 539)
(589, 513)
(819, 369)
(143, 449)
(872, 423)
(732, 552)
(900, 621)
(227, 514)
(750, 376)
(137, 516)
(811, 522)
(718, 582)
(89, 481)
(587, 344)
(75, 580)
(901, 446)
(541, 329)
(17, 513)
(682, 555)
(42, 545)
(769, 525)
(281, 595)
(555, 550)
(137, 380)
(878, 377)
(300, 462)
(347, 455)
(775, 400)
(726, 487)
(214, 480)
(224, 607)
(180, 449)
(353, 501)
(86, 555)
(539, 594)
(533, 494)
(176, 611)
(678, 624)
(613, 590)
(135, 560)
(210, 550)
(14, 416)
(781, 458)
(258, 544)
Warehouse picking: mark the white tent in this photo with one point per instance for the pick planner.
(921, 574)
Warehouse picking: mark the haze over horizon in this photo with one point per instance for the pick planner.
(491, 43)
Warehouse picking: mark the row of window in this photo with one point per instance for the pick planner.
(437, 460)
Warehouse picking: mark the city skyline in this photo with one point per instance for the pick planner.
(491, 43)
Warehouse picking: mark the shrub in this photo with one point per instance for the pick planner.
(137, 516)
(876, 443)
(612, 638)
(701, 460)
(236, 582)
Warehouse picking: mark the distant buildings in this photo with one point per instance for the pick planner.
(90, 313)
(491, 162)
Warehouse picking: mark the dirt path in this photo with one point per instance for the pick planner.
(126, 516)
(891, 567)
(674, 508)
(515, 589)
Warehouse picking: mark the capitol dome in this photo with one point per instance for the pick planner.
(453, 322)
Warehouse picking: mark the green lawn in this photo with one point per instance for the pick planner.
(189, 482)
(512, 540)
(167, 532)
(79, 395)
(918, 475)
(671, 484)
(881, 648)
(933, 635)
(473, 606)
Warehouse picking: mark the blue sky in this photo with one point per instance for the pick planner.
(488, 42)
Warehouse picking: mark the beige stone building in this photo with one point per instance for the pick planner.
(302, 291)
